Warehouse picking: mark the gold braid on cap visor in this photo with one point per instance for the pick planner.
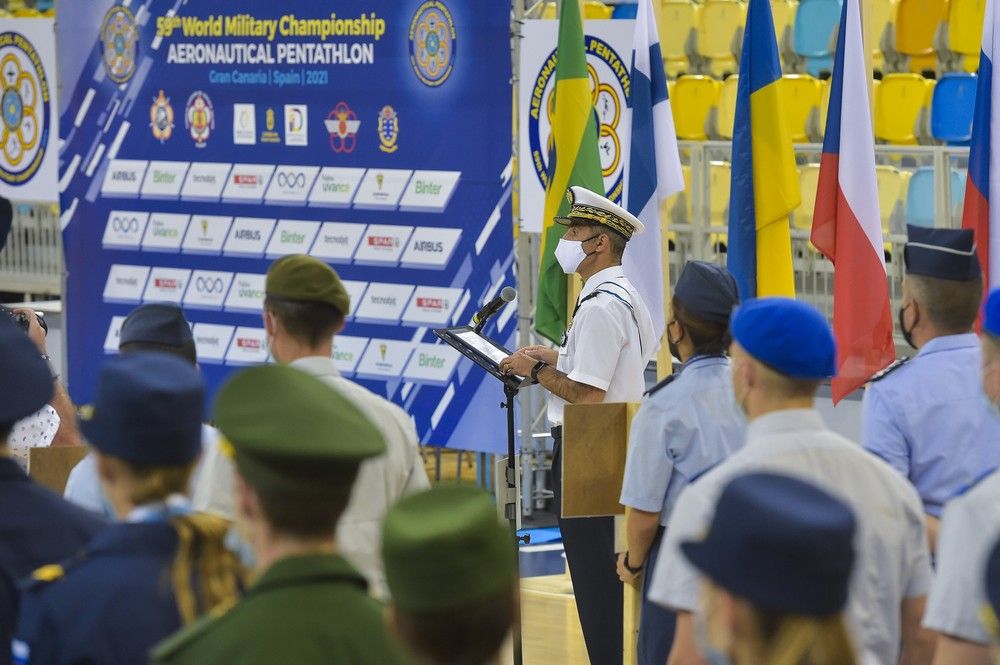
(601, 216)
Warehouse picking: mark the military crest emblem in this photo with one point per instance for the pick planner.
(199, 117)
(161, 118)
(119, 44)
(432, 43)
(388, 129)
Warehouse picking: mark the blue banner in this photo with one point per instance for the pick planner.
(198, 146)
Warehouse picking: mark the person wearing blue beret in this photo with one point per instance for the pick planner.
(970, 525)
(164, 328)
(926, 416)
(161, 566)
(777, 563)
(686, 425)
(36, 526)
(782, 351)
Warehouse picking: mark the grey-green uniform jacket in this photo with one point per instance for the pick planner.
(303, 609)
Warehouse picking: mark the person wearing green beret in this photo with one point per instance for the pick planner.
(449, 563)
(297, 445)
(305, 306)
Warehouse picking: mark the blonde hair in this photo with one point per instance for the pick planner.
(201, 551)
(790, 639)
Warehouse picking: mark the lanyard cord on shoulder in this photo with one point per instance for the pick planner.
(594, 293)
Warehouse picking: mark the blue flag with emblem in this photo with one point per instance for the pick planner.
(653, 168)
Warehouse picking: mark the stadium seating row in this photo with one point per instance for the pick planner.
(909, 109)
(705, 37)
(905, 197)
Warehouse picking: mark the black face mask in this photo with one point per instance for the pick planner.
(908, 334)
(672, 345)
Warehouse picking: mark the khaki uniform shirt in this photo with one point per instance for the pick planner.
(303, 609)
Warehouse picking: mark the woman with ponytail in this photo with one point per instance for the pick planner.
(162, 566)
(777, 561)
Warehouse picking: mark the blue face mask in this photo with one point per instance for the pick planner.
(241, 548)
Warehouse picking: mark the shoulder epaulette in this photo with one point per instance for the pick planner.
(45, 575)
(661, 385)
(878, 376)
(968, 487)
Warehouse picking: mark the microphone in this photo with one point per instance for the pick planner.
(506, 295)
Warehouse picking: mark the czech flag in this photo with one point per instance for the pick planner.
(981, 212)
(765, 181)
(847, 226)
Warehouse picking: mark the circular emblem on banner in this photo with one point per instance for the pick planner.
(432, 43)
(342, 124)
(161, 118)
(609, 86)
(199, 117)
(119, 44)
(25, 99)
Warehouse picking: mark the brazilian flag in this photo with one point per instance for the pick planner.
(574, 161)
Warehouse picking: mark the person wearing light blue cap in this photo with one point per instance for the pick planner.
(687, 424)
(782, 351)
(970, 526)
(926, 416)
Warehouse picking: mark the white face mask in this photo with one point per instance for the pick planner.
(570, 254)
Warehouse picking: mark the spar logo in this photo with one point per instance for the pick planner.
(248, 343)
(439, 304)
(246, 180)
(166, 283)
(383, 242)
(609, 89)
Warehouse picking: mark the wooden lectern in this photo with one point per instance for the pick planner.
(595, 442)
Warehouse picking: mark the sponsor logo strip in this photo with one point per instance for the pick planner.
(431, 363)
(212, 341)
(246, 293)
(382, 244)
(429, 191)
(381, 189)
(384, 359)
(335, 187)
(207, 290)
(164, 232)
(124, 178)
(125, 284)
(337, 241)
(205, 181)
(248, 237)
(431, 248)
(292, 237)
(347, 352)
(431, 306)
(206, 234)
(166, 285)
(291, 184)
(164, 180)
(124, 229)
(248, 347)
(383, 303)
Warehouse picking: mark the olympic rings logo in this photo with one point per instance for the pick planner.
(291, 180)
(209, 284)
(125, 224)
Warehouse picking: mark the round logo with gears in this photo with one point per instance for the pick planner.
(25, 100)
(609, 87)
(432, 43)
(119, 44)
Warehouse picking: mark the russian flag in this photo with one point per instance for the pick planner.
(981, 196)
(653, 164)
(765, 181)
(847, 226)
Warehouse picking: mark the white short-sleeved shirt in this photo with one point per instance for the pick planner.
(381, 481)
(893, 561)
(970, 528)
(609, 342)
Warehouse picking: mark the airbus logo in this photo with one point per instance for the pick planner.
(428, 246)
(247, 234)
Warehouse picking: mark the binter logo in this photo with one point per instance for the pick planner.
(248, 343)
(386, 242)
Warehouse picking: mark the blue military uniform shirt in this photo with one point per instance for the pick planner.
(110, 605)
(681, 431)
(929, 419)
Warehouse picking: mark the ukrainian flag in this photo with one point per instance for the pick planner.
(765, 181)
(574, 161)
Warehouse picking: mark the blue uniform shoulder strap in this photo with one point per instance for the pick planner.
(878, 376)
(661, 385)
(968, 487)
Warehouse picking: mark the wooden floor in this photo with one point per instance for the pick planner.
(550, 627)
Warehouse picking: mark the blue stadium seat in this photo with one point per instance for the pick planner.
(920, 198)
(815, 22)
(952, 107)
(625, 11)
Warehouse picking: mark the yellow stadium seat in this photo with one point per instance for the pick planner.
(916, 26)
(693, 99)
(891, 194)
(550, 10)
(882, 12)
(719, 27)
(824, 107)
(783, 15)
(800, 96)
(726, 114)
(678, 30)
(965, 31)
(901, 105)
(592, 9)
(719, 174)
(808, 182)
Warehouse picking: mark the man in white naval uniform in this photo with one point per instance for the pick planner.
(604, 353)
(304, 307)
